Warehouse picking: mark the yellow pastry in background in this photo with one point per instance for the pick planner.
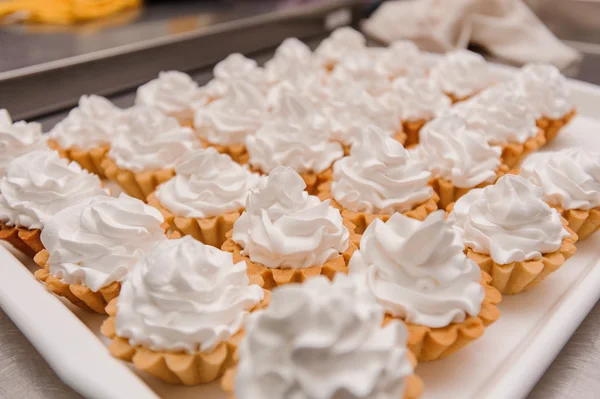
(62, 11)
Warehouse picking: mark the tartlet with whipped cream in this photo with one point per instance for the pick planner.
(548, 94)
(293, 70)
(286, 235)
(418, 100)
(351, 109)
(293, 62)
(91, 247)
(503, 117)
(360, 68)
(226, 122)
(570, 181)
(205, 197)
(233, 68)
(296, 136)
(378, 179)
(401, 59)
(308, 86)
(512, 234)
(323, 340)
(86, 134)
(340, 43)
(457, 158)
(37, 185)
(174, 94)
(181, 312)
(146, 151)
(461, 74)
(419, 273)
(18, 138)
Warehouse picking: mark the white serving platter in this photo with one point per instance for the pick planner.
(505, 363)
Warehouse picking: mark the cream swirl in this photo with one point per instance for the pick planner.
(292, 62)
(229, 120)
(500, 115)
(509, 221)
(41, 183)
(185, 296)
(297, 138)
(454, 153)
(93, 123)
(284, 227)
(324, 342)
(462, 73)
(340, 43)
(97, 242)
(312, 87)
(17, 139)
(569, 178)
(173, 93)
(379, 177)
(206, 184)
(151, 141)
(417, 99)
(235, 67)
(360, 69)
(401, 58)
(351, 109)
(546, 90)
(418, 270)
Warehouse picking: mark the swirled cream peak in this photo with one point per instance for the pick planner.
(151, 141)
(324, 342)
(454, 153)
(235, 67)
(292, 62)
(499, 114)
(360, 69)
(185, 296)
(98, 242)
(173, 93)
(418, 270)
(284, 227)
(17, 138)
(379, 177)
(296, 137)
(95, 122)
(417, 99)
(462, 73)
(227, 121)
(41, 183)
(206, 184)
(545, 89)
(401, 58)
(351, 109)
(569, 178)
(311, 87)
(342, 42)
(509, 221)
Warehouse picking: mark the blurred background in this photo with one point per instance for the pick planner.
(52, 51)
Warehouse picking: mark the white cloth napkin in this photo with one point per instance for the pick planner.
(506, 28)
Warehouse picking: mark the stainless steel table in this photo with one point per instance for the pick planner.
(575, 373)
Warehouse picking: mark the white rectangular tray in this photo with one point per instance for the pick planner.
(505, 363)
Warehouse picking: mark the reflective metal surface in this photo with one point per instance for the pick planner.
(29, 45)
(121, 58)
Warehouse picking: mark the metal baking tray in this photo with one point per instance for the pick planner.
(37, 90)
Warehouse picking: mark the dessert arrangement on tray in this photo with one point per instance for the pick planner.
(312, 228)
